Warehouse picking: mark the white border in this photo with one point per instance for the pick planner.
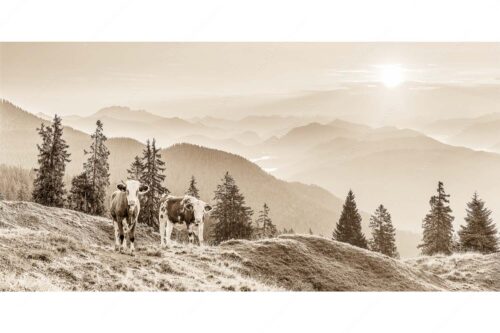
(256, 20)
(249, 312)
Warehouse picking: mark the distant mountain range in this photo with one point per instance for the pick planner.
(399, 168)
(230, 135)
(478, 133)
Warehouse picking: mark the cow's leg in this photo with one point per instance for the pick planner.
(131, 235)
(201, 226)
(170, 227)
(117, 234)
(126, 226)
(163, 222)
(121, 237)
(190, 233)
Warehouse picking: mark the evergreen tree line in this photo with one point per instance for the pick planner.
(16, 183)
(478, 234)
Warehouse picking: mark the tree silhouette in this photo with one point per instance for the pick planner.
(193, 190)
(48, 186)
(152, 176)
(232, 215)
(135, 171)
(348, 229)
(437, 225)
(383, 233)
(479, 233)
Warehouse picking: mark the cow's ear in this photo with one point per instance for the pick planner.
(121, 187)
(208, 208)
(143, 189)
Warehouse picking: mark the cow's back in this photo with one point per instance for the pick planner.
(118, 205)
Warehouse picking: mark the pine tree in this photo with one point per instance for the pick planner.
(153, 177)
(193, 190)
(479, 233)
(97, 171)
(437, 225)
(383, 233)
(135, 171)
(264, 225)
(348, 229)
(52, 158)
(80, 193)
(42, 182)
(232, 215)
(310, 232)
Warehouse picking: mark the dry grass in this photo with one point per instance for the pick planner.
(45, 249)
(464, 271)
(303, 262)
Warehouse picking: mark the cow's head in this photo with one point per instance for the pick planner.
(195, 209)
(134, 191)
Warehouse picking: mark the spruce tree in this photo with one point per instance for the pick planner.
(437, 225)
(232, 215)
(383, 233)
(97, 171)
(153, 177)
(348, 229)
(135, 171)
(80, 193)
(193, 190)
(42, 183)
(264, 225)
(52, 158)
(479, 233)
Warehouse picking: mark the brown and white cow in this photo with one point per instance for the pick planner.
(182, 210)
(125, 208)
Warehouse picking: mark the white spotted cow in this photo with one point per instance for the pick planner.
(125, 208)
(179, 210)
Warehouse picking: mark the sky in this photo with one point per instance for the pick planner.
(81, 78)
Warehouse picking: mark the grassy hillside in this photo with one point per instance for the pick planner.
(45, 248)
(467, 271)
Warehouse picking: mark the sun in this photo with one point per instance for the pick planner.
(391, 75)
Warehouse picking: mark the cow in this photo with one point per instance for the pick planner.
(180, 210)
(125, 208)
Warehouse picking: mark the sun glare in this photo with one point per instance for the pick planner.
(391, 75)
